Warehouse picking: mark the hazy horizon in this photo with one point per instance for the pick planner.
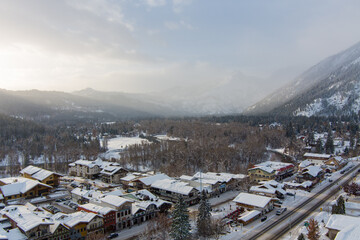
(154, 45)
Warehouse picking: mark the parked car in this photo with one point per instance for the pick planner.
(290, 194)
(278, 203)
(263, 218)
(113, 235)
(280, 211)
(330, 180)
(280, 196)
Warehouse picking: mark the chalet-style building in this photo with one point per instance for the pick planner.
(30, 224)
(220, 182)
(42, 175)
(81, 224)
(112, 174)
(335, 163)
(59, 231)
(270, 171)
(108, 214)
(306, 186)
(145, 182)
(121, 205)
(316, 158)
(18, 187)
(338, 222)
(171, 190)
(85, 169)
(270, 188)
(255, 202)
(311, 173)
(304, 164)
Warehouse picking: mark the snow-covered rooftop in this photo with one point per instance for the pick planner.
(252, 200)
(312, 170)
(117, 192)
(24, 217)
(86, 193)
(270, 166)
(316, 155)
(305, 163)
(173, 186)
(129, 177)
(12, 234)
(338, 221)
(42, 174)
(249, 215)
(186, 177)
(110, 170)
(113, 200)
(349, 233)
(151, 179)
(37, 173)
(96, 208)
(18, 185)
(74, 219)
(30, 170)
(305, 184)
(220, 177)
(86, 163)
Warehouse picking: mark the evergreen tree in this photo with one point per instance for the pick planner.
(313, 230)
(319, 147)
(329, 144)
(339, 207)
(203, 221)
(180, 227)
(301, 237)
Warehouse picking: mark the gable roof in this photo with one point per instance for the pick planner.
(312, 170)
(316, 155)
(113, 200)
(30, 170)
(25, 219)
(111, 170)
(252, 200)
(173, 186)
(74, 219)
(19, 185)
(338, 221)
(349, 233)
(305, 163)
(151, 179)
(96, 208)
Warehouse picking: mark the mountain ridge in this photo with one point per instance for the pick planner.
(285, 101)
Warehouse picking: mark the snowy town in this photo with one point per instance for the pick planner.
(99, 199)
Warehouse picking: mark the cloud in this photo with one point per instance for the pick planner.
(178, 5)
(155, 3)
(177, 25)
(67, 27)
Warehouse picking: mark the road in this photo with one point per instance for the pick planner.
(278, 226)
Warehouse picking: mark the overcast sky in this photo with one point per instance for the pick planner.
(149, 45)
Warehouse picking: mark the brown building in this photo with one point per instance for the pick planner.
(19, 187)
(42, 175)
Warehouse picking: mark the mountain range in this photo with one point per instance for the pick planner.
(330, 88)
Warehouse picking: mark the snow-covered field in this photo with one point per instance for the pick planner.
(120, 143)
